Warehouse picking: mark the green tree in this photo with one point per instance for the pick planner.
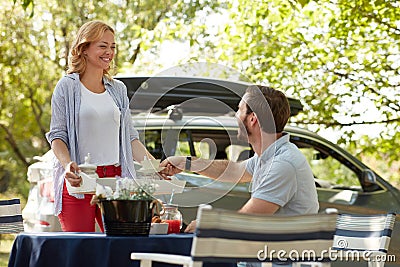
(340, 58)
(26, 4)
(24, 95)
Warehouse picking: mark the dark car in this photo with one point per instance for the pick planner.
(195, 116)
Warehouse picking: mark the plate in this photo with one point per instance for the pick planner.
(150, 171)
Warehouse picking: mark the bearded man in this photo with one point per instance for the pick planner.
(281, 180)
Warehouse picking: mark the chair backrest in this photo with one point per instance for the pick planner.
(364, 232)
(10, 216)
(229, 236)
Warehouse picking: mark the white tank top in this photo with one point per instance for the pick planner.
(98, 129)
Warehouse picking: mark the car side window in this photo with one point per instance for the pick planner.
(329, 172)
(152, 140)
(187, 146)
(202, 149)
(208, 143)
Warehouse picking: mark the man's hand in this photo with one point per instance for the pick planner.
(191, 227)
(173, 165)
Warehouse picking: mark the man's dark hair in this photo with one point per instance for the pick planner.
(271, 107)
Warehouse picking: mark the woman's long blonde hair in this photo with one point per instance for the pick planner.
(89, 32)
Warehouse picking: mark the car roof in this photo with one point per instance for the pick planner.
(163, 120)
(160, 92)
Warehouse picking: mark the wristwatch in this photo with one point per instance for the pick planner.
(188, 163)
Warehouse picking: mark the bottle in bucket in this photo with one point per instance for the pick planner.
(173, 217)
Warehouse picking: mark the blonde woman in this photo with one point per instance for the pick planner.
(90, 114)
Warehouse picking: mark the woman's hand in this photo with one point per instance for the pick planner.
(173, 165)
(71, 174)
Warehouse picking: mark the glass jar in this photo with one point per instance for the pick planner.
(173, 217)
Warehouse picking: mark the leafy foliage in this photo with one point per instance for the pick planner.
(27, 4)
(340, 58)
(24, 95)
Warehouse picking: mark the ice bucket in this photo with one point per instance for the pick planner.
(127, 217)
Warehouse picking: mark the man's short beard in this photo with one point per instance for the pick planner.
(243, 132)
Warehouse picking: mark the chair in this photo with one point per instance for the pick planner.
(228, 236)
(11, 221)
(364, 236)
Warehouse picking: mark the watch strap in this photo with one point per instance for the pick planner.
(188, 163)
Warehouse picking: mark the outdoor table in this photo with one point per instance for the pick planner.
(91, 249)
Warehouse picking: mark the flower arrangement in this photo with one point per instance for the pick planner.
(129, 209)
(127, 189)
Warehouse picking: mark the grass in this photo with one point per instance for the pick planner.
(6, 242)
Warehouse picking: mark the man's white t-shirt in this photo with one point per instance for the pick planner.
(98, 129)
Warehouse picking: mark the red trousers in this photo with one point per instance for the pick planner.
(77, 215)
